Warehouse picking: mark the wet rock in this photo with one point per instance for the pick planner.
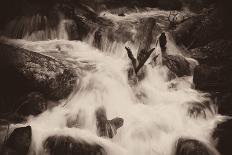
(33, 104)
(214, 53)
(121, 14)
(18, 142)
(210, 78)
(36, 72)
(209, 25)
(24, 72)
(60, 145)
(224, 136)
(224, 102)
(191, 147)
(200, 110)
(107, 128)
(177, 64)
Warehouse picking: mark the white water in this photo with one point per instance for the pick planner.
(154, 114)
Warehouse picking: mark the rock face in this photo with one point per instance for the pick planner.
(191, 147)
(24, 72)
(18, 142)
(60, 145)
(210, 78)
(213, 53)
(224, 135)
(177, 64)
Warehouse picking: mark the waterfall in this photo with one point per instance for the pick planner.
(37, 27)
(155, 112)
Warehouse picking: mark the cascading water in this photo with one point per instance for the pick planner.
(155, 112)
(37, 27)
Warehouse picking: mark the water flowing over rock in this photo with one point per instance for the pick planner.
(25, 72)
(107, 128)
(105, 113)
(60, 145)
(18, 142)
(177, 64)
(191, 147)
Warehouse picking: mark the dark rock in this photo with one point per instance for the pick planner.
(215, 53)
(60, 145)
(24, 72)
(107, 128)
(36, 72)
(169, 5)
(191, 147)
(177, 64)
(223, 135)
(209, 78)
(224, 102)
(18, 142)
(187, 33)
(121, 14)
(33, 104)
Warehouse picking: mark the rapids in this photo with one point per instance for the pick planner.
(155, 112)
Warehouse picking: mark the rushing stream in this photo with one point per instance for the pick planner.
(155, 112)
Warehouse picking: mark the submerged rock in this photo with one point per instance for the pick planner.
(60, 145)
(107, 128)
(177, 64)
(191, 147)
(18, 142)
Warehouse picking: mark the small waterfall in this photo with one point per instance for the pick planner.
(37, 27)
(155, 112)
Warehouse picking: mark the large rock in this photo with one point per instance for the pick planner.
(18, 142)
(191, 147)
(212, 79)
(177, 64)
(209, 25)
(33, 103)
(224, 137)
(60, 145)
(214, 53)
(23, 72)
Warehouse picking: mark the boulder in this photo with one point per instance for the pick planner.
(33, 103)
(223, 135)
(214, 53)
(60, 145)
(187, 32)
(191, 147)
(212, 79)
(18, 142)
(24, 72)
(177, 64)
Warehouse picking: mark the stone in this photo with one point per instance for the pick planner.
(60, 145)
(211, 79)
(18, 142)
(177, 64)
(213, 53)
(191, 147)
(33, 104)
